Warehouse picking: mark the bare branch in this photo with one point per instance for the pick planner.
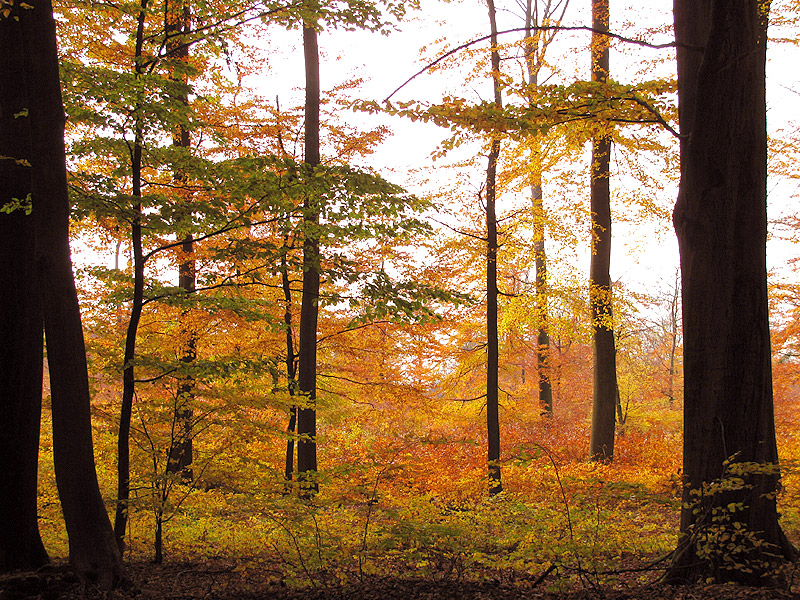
(465, 45)
(466, 233)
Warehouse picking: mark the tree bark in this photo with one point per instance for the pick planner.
(92, 548)
(21, 353)
(604, 388)
(309, 308)
(492, 343)
(721, 222)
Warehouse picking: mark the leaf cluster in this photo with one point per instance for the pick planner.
(596, 105)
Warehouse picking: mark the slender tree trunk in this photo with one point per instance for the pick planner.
(309, 309)
(540, 254)
(158, 540)
(128, 377)
(291, 355)
(291, 432)
(493, 345)
(92, 547)
(176, 27)
(721, 222)
(21, 354)
(543, 336)
(535, 47)
(291, 366)
(673, 335)
(604, 394)
(161, 487)
(181, 451)
(128, 370)
(621, 413)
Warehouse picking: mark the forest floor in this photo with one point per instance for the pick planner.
(413, 523)
(225, 580)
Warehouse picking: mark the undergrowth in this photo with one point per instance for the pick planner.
(416, 506)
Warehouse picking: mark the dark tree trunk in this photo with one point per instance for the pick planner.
(21, 340)
(309, 309)
(543, 336)
(128, 372)
(604, 389)
(158, 540)
(492, 342)
(92, 547)
(291, 429)
(181, 451)
(721, 222)
(535, 47)
(291, 366)
(176, 28)
(673, 339)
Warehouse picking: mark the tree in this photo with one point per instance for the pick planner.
(367, 16)
(177, 25)
(92, 547)
(536, 42)
(20, 319)
(730, 455)
(137, 303)
(309, 310)
(291, 365)
(492, 342)
(604, 389)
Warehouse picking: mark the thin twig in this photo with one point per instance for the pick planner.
(466, 45)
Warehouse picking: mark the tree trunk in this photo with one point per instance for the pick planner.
(673, 339)
(21, 354)
(604, 389)
(535, 47)
(92, 548)
(128, 371)
(309, 309)
(137, 303)
(492, 342)
(291, 366)
(542, 337)
(181, 451)
(721, 222)
(176, 27)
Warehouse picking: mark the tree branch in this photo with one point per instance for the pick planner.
(586, 28)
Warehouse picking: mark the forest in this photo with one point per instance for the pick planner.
(320, 299)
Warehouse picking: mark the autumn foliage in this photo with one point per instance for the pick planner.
(401, 349)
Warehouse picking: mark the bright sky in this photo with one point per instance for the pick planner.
(644, 254)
